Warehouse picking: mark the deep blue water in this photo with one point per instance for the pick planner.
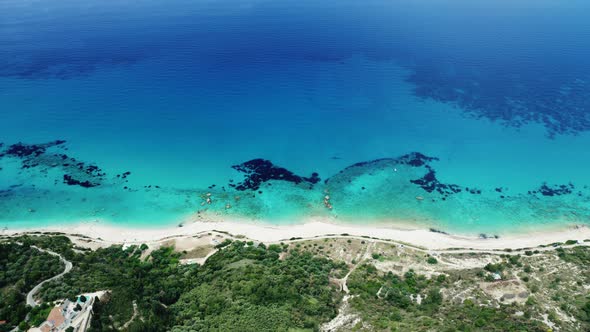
(178, 92)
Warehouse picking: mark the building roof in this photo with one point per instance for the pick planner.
(45, 328)
(56, 318)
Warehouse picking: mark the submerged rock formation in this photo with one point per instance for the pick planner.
(258, 171)
(44, 157)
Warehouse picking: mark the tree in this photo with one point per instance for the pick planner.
(23, 326)
(434, 297)
(586, 312)
(398, 299)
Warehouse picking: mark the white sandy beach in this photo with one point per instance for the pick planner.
(314, 228)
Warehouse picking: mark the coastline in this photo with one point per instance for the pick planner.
(313, 228)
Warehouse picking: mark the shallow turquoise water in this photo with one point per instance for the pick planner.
(178, 94)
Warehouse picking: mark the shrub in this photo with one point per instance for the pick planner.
(495, 268)
(225, 243)
(514, 259)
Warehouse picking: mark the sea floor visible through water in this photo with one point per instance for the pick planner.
(409, 159)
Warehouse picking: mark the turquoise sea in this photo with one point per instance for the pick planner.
(464, 116)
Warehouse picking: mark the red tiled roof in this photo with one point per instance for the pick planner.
(55, 317)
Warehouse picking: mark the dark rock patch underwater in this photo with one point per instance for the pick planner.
(428, 182)
(258, 171)
(406, 184)
(38, 156)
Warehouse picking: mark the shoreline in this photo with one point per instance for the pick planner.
(314, 228)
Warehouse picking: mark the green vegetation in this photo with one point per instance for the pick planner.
(21, 268)
(225, 243)
(60, 244)
(389, 302)
(248, 286)
(577, 255)
(153, 283)
(495, 268)
(242, 286)
(39, 314)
